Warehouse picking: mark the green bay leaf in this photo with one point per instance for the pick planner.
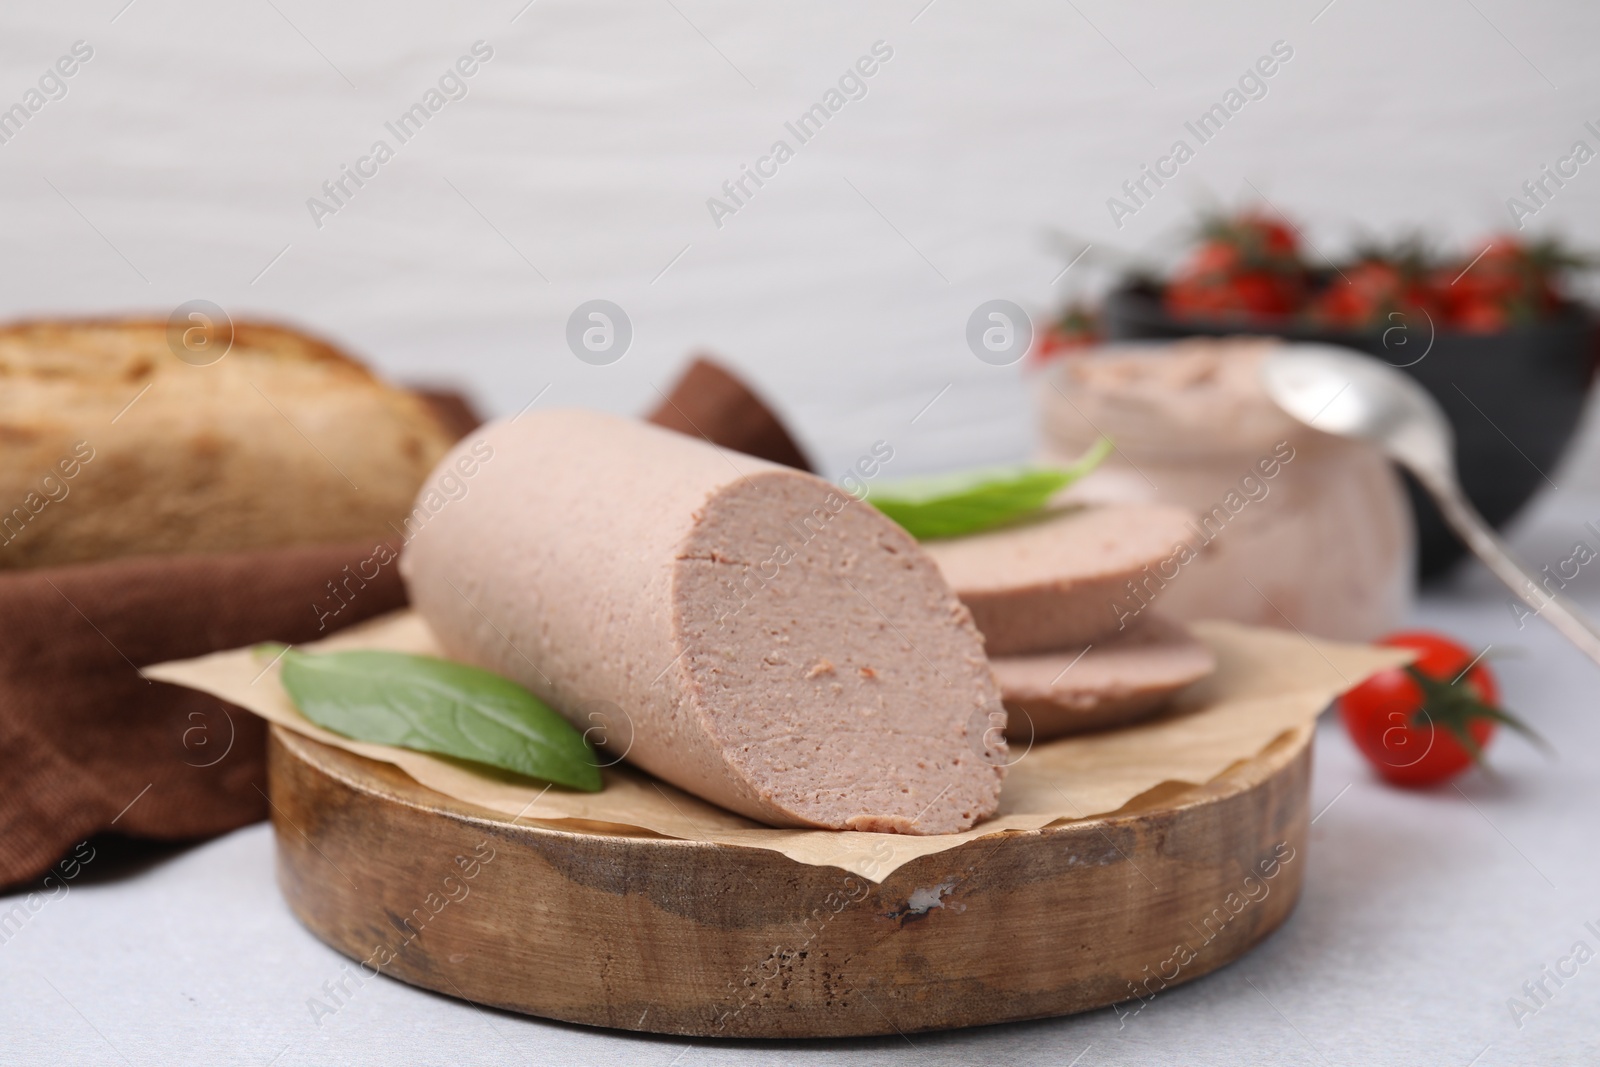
(951, 505)
(434, 705)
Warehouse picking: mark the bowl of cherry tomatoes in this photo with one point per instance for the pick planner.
(1490, 334)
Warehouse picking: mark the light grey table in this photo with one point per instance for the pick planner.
(1424, 915)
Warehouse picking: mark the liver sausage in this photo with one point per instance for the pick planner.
(1121, 679)
(746, 631)
(1055, 583)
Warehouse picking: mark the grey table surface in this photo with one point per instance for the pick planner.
(1423, 916)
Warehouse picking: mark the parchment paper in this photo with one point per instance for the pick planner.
(1267, 682)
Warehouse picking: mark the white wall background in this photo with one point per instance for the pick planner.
(180, 161)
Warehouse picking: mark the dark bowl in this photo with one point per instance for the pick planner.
(1514, 397)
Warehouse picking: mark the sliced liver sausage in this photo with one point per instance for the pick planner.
(1056, 582)
(1120, 679)
(745, 631)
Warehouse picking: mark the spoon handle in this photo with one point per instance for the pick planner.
(1560, 612)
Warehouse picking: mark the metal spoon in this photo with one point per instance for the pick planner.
(1342, 392)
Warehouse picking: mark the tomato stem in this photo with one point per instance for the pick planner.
(1454, 705)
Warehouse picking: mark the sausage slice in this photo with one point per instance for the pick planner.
(1059, 581)
(1119, 680)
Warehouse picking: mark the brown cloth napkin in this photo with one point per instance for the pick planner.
(86, 744)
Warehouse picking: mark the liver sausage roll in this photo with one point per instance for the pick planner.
(1056, 582)
(745, 631)
(1119, 680)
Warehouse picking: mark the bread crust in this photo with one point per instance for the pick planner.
(111, 446)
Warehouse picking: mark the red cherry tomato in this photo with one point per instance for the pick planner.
(1247, 267)
(1408, 741)
(1481, 316)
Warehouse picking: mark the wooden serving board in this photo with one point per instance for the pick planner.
(692, 938)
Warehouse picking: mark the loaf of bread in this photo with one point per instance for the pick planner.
(112, 446)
